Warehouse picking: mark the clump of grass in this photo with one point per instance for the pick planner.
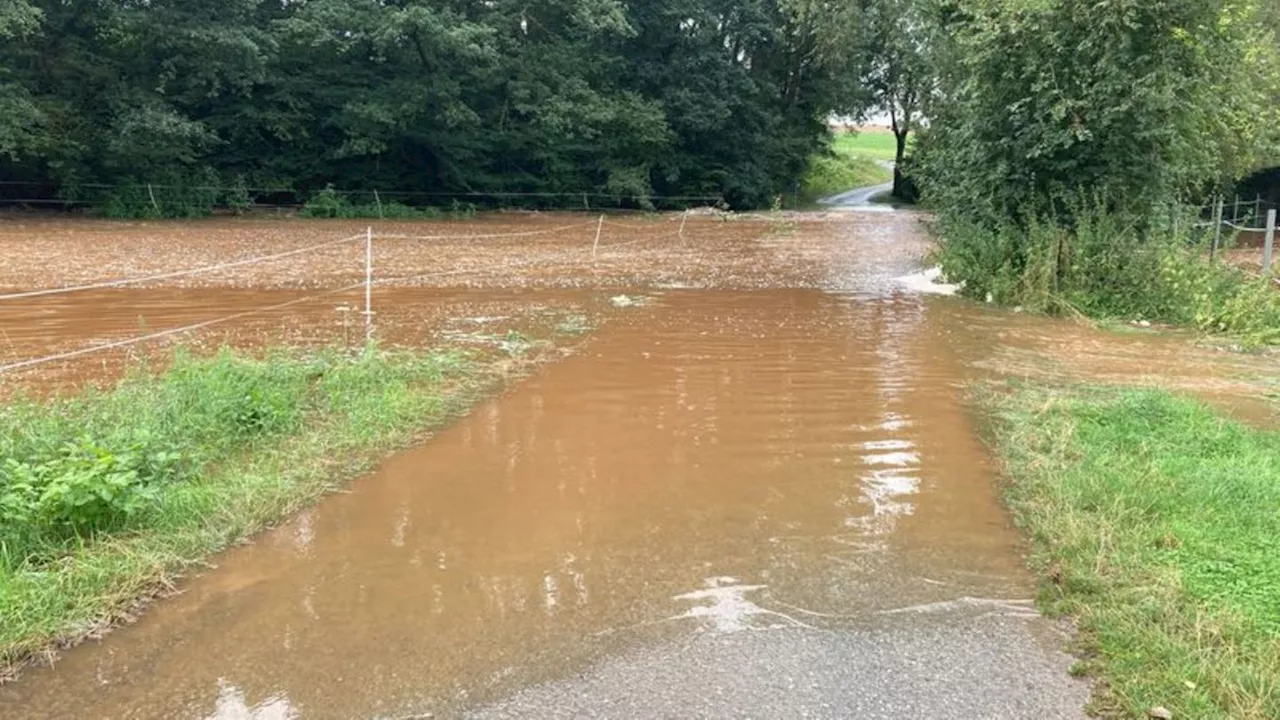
(107, 494)
(1155, 523)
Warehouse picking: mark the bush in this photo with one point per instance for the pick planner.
(331, 203)
(1107, 265)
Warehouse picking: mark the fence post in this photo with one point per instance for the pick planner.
(378, 200)
(599, 229)
(1269, 247)
(683, 219)
(368, 285)
(1217, 229)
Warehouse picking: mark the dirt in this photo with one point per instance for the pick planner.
(771, 435)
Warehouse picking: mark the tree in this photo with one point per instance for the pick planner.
(1135, 102)
(898, 72)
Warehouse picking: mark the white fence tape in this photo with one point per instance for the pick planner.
(367, 283)
(529, 233)
(172, 331)
(178, 273)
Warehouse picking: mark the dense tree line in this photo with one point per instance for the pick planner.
(664, 97)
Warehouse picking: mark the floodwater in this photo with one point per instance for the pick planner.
(807, 445)
(795, 456)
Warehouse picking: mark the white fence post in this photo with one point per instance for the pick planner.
(368, 285)
(1269, 247)
(596, 244)
(1217, 229)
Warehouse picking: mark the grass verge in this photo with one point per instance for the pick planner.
(107, 495)
(838, 172)
(1155, 526)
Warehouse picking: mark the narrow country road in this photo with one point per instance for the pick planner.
(751, 495)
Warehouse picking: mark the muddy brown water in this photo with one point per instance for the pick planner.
(793, 451)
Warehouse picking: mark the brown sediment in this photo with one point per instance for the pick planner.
(775, 434)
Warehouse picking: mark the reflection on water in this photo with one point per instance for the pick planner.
(231, 705)
(809, 453)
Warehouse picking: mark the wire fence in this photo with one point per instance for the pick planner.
(1256, 216)
(188, 199)
(573, 257)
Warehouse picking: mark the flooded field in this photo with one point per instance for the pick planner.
(758, 491)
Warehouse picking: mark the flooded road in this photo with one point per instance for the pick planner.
(785, 462)
(760, 498)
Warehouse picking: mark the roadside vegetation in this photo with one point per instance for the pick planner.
(1065, 136)
(843, 167)
(107, 495)
(1155, 527)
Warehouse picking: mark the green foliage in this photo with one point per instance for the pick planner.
(838, 171)
(1154, 523)
(1109, 266)
(673, 97)
(105, 494)
(94, 463)
(1136, 101)
(329, 203)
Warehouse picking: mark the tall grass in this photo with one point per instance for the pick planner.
(1155, 524)
(1107, 265)
(104, 495)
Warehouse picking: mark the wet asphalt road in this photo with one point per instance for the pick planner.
(953, 665)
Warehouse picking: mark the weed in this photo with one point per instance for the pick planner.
(105, 494)
(1108, 266)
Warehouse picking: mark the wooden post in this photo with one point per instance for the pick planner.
(378, 200)
(1217, 229)
(683, 219)
(154, 204)
(1269, 247)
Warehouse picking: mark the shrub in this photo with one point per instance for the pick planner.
(1107, 265)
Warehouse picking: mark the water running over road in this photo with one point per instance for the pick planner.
(767, 502)
(714, 462)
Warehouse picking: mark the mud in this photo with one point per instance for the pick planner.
(776, 440)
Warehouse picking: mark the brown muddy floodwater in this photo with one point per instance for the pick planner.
(810, 444)
(786, 451)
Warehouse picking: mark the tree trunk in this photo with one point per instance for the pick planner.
(901, 137)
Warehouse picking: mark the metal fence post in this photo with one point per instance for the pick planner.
(1217, 229)
(1268, 248)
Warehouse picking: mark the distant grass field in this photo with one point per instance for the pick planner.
(878, 144)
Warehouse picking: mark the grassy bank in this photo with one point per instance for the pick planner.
(107, 495)
(840, 170)
(1155, 525)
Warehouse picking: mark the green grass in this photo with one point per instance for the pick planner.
(1155, 525)
(876, 144)
(840, 171)
(106, 495)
